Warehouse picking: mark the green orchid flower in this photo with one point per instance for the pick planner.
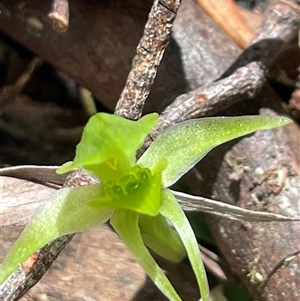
(133, 194)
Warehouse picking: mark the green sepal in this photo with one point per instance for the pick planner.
(125, 224)
(161, 237)
(172, 210)
(66, 211)
(108, 145)
(185, 143)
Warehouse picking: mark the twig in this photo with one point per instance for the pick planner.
(60, 15)
(149, 54)
(283, 262)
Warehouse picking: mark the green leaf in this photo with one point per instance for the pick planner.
(125, 224)
(109, 143)
(66, 211)
(171, 210)
(185, 143)
(161, 237)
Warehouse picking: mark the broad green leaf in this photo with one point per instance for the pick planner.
(185, 143)
(109, 144)
(161, 237)
(125, 224)
(171, 210)
(66, 211)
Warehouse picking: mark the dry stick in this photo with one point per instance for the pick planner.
(149, 53)
(60, 15)
(245, 77)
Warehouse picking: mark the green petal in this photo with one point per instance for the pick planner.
(161, 237)
(171, 210)
(138, 191)
(66, 211)
(109, 144)
(185, 143)
(125, 224)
